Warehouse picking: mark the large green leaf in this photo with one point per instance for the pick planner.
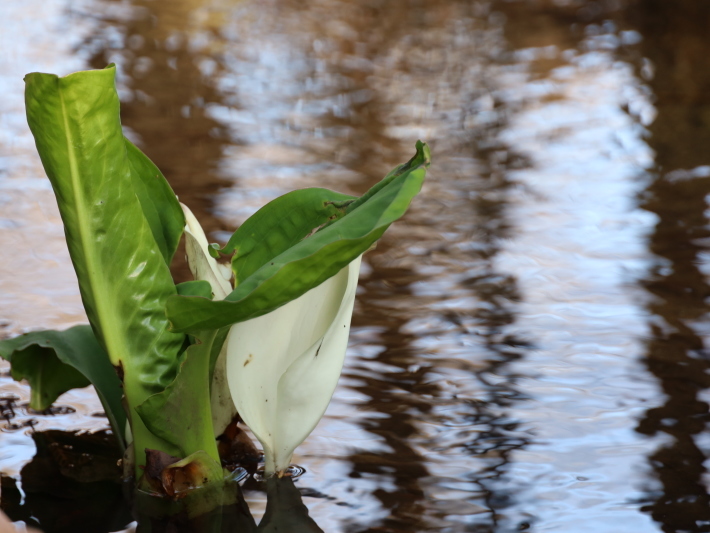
(311, 260)
(54, 362)
(280, 224)
(123, 278)
(181, 413)
(161, 207)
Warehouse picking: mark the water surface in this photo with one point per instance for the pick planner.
(528, 350)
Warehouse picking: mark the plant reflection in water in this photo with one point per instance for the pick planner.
(74, 481)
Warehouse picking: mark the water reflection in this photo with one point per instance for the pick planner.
(577, 238)
(433, 333)
(495, 374)
(74, 483)
(285, 511)
(677, 282)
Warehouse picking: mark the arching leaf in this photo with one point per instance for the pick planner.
(158, 201)
(310, 261)
(280, 224)
(54, 362)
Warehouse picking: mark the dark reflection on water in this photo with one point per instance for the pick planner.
(678, 354)
(74, 483)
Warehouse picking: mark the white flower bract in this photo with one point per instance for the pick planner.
(283, 367)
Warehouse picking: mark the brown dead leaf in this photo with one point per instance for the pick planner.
(237, 449)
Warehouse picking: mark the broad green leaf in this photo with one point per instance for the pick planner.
(309, 262)
(158, 201)
(54, 362)
(280, 224)
(46, 374)
(123, 278)
(181, 413)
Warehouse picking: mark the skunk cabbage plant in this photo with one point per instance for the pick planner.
(262, 330)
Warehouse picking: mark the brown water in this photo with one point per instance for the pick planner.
(529, 343)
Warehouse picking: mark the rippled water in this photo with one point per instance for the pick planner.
(528, 350)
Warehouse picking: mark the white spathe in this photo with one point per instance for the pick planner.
(202, 265)
(283, 367)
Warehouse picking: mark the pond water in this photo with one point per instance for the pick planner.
(528, 349)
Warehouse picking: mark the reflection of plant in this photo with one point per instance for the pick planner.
(73, 484)
(294, 265)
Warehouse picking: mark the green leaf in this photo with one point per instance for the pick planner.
(280, 224)
(421, 158)
(123, 276)
(311, 260)
(181, 413)
(198, 287)
(54, 362)
(161, 207)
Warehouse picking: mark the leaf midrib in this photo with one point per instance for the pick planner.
(109, 339)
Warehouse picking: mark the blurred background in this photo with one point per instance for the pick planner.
(529, 345)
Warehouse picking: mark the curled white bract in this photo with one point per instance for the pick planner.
(283, 367)
(202, 265)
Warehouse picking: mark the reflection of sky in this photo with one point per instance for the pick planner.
(578, 248)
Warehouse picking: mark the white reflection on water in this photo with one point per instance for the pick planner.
(578, 249)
